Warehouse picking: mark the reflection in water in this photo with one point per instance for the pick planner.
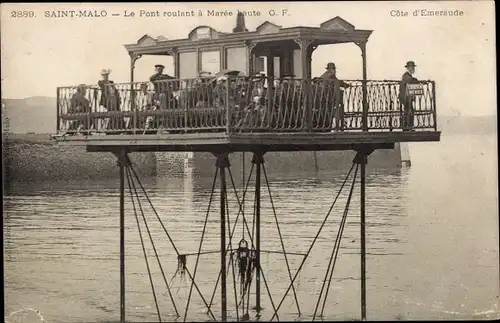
(61, 246)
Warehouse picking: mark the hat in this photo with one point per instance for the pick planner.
(105, 71)
(159, 65)
(258, 76)
(410, 64)
(330, 66)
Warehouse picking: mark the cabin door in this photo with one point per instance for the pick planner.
(269, 66)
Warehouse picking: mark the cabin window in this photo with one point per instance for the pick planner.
(236, 59)
(187, 65)
(210, 61)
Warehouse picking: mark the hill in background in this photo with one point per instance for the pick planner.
(38, 115)
(34, 114)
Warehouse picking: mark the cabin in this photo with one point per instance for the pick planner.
(243, 86)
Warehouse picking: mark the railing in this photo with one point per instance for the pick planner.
(240, 104)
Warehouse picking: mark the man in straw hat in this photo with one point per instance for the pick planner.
(110, 99)
(405, 98)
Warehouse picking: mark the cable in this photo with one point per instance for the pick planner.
(280, 236)
(340, 237)
(201, 243)
(152, 242)
(144, 249)
(253, 247)
(233, 229)
(314, 240)
(168, 235)
(232, 262)
(335, 248)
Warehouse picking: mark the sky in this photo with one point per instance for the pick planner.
(39, 54)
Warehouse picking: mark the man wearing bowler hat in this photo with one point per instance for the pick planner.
(333, 84)
(405, 98)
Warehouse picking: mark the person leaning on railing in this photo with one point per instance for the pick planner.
(79, 104)
(406, 99)
(331, 82)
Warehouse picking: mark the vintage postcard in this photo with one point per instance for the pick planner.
(251, 161)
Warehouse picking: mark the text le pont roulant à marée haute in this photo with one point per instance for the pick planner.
(148, 13)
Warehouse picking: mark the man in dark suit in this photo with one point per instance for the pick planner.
(406, 99)
(159, 76)
(79, 104)
(333, 88)
(163, 90)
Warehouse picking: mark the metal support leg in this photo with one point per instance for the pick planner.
(362, 159)
(122, 162)
(257, 160)
(363, 241)
(222, 164)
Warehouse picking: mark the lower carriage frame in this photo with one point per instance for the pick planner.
(222, 144)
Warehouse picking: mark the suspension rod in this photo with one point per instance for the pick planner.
(142, 243)
(240, 203)
(313, 243)
(335, 249)
(200, 245)
(131, 181)
(169, 237)
(281, 238)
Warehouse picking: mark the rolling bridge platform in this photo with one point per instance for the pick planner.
(239, 109)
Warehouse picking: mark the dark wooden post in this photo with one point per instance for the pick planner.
(250, 61)
(122, 161)
(434, 104)
(305, 69)
(222, 164)
(133, 103)
(364, 119)
(258, 160)
(58, 104)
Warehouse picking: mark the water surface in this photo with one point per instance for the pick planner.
(432, 243)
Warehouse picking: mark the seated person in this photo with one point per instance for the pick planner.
(144, 103)
(203, 90)
(79, 104)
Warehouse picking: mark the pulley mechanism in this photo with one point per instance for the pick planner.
(181, 265)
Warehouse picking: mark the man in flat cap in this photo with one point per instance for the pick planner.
(405, 98)
(159, 76)
(334, 88)
(163, 89)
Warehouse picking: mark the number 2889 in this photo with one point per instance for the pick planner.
(22, 14)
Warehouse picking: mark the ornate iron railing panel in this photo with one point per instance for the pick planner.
(241, 104)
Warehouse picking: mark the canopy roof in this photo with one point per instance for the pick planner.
(332, 31)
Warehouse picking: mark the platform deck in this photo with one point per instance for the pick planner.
(209, 142)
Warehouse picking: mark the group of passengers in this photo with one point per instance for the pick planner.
(211, 91)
